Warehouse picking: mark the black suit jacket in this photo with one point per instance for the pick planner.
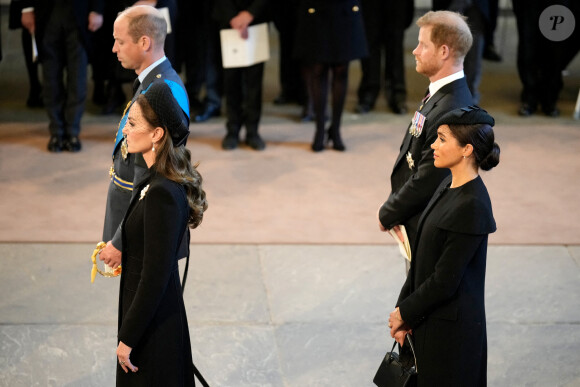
(442, 299)
(226, 10)
(43, 9)
(412, 188)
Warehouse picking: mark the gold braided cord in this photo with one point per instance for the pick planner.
(95, 269)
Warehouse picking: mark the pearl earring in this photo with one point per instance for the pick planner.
(153, 149)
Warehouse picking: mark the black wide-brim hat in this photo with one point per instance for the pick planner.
(468, 115)
(169, 101)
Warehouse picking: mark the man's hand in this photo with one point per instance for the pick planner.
(110, 255)
(95, 21)
(381, 227)
(397, 231)
(28, 21)
(241, 22)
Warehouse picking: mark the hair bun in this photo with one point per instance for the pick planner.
(491, 160)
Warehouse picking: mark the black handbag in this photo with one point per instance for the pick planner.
(397, 369)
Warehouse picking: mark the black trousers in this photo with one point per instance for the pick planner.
(243, 89)
(64, 65)
(539, 60)
(385, 30)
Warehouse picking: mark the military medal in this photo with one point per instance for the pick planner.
(417, 124)
(410, 160)
(124, 148)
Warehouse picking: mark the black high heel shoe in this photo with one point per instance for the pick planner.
(334, 136)
(318, 144)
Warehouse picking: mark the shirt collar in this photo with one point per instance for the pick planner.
(435, 86)
(146, 72)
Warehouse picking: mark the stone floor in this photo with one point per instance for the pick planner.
(281, 315)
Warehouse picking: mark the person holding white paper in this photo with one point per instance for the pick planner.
(242, 85)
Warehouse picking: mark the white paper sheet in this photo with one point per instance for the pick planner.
(34, 49)
(404, 247)
(238, 52)
(165, 12)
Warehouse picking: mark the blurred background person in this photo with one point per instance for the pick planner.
(63, 31)
(35, 88)
(329, 35)
(243, 85)
(385, 23)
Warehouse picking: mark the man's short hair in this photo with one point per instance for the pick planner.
(450, 29)
(145, 20)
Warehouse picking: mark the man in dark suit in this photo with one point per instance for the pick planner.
(444, 40)
(385, 24)
(199, 43)
(63, 32)
(139, 46)
(32, 68)
(242, 85)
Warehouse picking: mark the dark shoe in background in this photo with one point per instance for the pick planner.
(526, 110)
(307, 115)
(209, 112)
(55, 144)
(399, 107)
(363, 108)
(550, 110)
(490, 53)
(334, 137)
(72, 144)
(255, 142)
(230, 141)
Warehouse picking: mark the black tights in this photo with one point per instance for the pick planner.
(318, 77)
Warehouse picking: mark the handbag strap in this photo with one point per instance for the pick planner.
(408, 337)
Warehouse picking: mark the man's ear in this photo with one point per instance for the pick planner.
(445, 51)
(146, 43)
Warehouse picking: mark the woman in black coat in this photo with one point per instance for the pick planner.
(442, 301)
(154, 347)
(329, 34)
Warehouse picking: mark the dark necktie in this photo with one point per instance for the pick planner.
(136, 85)
(427, 95)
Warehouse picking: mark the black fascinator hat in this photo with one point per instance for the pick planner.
(469, 115)
(169, 101)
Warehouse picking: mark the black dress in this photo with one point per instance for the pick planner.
(152, 317)
(330, 31)
(442, 299)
